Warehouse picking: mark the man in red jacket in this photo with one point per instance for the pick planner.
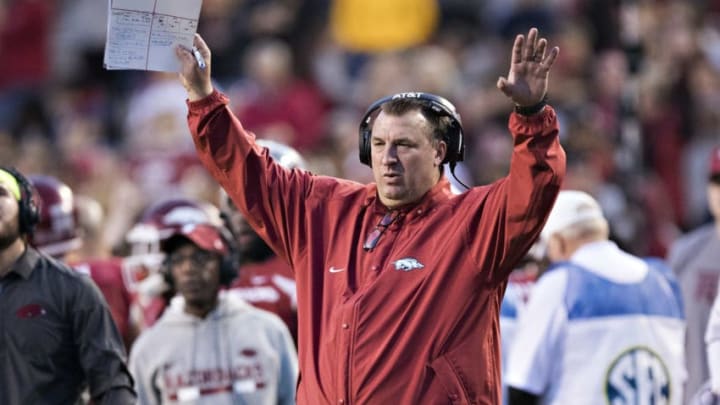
(399, 282)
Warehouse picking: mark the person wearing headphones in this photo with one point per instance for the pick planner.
(57, 335)
(59, 235)
(209, 347)
(399, 282)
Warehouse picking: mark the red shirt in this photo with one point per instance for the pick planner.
(414, 321)
(269, 285)
(107, 275)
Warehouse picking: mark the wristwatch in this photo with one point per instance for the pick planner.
(532, 109)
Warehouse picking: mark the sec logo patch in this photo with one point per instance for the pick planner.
(638, 377)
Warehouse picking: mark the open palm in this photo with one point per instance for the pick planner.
(527, 80)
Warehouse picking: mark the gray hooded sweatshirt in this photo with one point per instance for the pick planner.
(237, 354)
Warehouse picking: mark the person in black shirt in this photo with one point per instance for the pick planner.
(57, 336)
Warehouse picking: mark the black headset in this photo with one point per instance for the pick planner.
(453, 137)
(229, 263)
(29, 211)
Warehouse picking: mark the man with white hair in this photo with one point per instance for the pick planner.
(602, 326)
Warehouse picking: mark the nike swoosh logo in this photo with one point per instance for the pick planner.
(335, 270)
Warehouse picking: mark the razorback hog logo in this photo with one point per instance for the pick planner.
(408, 264)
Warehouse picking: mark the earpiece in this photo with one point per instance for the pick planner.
(231, 262)
(453, 138)
(29, 214)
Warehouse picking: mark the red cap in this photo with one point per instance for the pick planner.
(205, 236)
(714, 165)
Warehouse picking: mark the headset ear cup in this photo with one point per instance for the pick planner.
(228, 271)
(455, 145)
(230, 263)
(365, 131)
(23, 219)
(166, 272)
(29, 211)
(31, 215)
(365, 146)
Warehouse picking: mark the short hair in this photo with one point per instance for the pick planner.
(439, 123)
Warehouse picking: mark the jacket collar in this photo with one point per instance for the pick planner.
(25, 264)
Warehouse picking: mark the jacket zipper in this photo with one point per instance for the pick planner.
(348, 364)
(353, 320)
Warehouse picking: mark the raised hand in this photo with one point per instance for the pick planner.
(527, 81)
(195, 79)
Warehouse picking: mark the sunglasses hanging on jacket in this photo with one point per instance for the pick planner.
(384, 224)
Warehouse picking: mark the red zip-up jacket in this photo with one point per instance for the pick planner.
(415, 320)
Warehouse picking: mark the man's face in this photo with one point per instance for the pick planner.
(9, 217)
(713, 197)
(196, 274)
(405, 163)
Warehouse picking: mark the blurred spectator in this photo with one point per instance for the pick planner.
(158, 160)
(580, 312)
(229, 26)
(143, 261)
(25, 27)
(695, 259)
(276, 104)
(210, 347)
(155, 117)
(75, 49)
(95, 259)
(526, 14)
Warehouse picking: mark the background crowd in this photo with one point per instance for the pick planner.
(636, 88)
(637, 127)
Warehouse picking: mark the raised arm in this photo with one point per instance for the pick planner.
(515, 208)
(270, 197)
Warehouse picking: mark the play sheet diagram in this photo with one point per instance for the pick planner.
(142, 34)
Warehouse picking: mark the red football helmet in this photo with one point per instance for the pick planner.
(158, 222)
(57, 232)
